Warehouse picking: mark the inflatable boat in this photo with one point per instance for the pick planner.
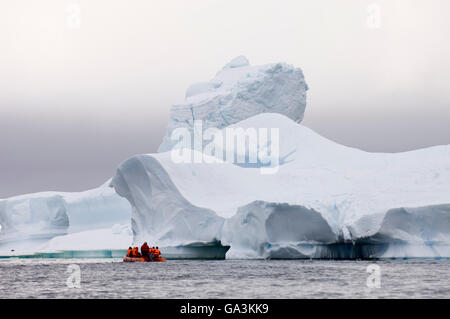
(143, 260)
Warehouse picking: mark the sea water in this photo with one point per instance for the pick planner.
(112, 278)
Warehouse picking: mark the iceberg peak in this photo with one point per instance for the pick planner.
(238, 92)
(237, 62)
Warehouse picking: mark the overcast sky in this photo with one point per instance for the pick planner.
(79, 93)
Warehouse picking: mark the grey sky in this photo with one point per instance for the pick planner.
(75, 102)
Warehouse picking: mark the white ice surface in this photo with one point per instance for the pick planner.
(36, 218)
(117, 237)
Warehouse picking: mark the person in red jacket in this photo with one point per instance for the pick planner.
(130, 252)
(136, 252)
(157, 252)
(145, 251)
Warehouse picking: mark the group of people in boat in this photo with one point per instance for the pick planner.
(146, 252)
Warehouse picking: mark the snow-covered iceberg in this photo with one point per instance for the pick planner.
(323, 200)
(326, 201)
(30, 221)
(237, 92)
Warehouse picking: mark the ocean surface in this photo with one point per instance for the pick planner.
(112, 278)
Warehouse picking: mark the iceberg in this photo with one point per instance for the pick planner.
(237, 92)
(327, 201)
(34, 216)
(30, 221)
(323, 200)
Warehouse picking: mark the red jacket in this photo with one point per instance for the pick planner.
(144, 249)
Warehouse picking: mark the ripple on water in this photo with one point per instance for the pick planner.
(111, 278)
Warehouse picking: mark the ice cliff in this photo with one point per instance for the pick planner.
(159, 212)
(237, 92)
(35, 218)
